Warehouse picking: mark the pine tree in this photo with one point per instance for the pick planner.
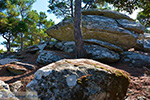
(8, 21)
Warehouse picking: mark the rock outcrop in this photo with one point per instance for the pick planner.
(135, 59)
(121, 32)
(94, 50)
(79, 79)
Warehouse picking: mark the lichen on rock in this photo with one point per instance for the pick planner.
(76, 79)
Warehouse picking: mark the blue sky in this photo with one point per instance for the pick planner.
(42, 5)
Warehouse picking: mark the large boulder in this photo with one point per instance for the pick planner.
(79, 79)
(135, 59)
(99, 27)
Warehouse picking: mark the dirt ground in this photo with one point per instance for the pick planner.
(139, 88)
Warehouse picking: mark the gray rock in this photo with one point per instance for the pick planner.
(104, 44)
(47, 57)
(5, 93)
(51, 46)
(7, 60)
(107, 13)
(143, 46)
(15, 69)
(135, 59)
(41, 46)
(11, 56)
(96, 27)
(66, 46)
(145, 35)
(3, 85)
(1, 56)
(79, 79)
(32, 49)
(102, 54)
(96, 52)
(133, 26)
(14, 87)
(26, 65)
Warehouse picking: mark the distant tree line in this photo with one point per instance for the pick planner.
(20, 26)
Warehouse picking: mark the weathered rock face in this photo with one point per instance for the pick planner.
(3, 85)
(14, 87)
(5, 93)
(132, 26)
(102, 54)
(104, 44)
(94, 51)
(106, 13)
(106, 29)
(17, 70)
(25, 65)
(47, 57)
(66, 46)
(143, 46)
(7, 60)
(135, 59)
(79, 79)
(32, 49)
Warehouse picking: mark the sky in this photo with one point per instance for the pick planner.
(42, 5)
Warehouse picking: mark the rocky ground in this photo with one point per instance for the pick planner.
(139, 88)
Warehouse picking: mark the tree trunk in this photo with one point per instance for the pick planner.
(71, 6)
(21, 41)
(40, 32)
(21, 32)
(9, 46)
(80, 51)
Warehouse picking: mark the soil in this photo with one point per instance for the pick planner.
(139, 88)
